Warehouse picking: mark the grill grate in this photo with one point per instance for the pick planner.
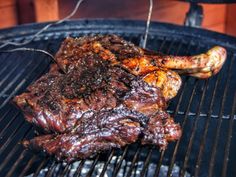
(204, 108)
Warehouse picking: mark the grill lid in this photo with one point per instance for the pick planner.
(204, 108)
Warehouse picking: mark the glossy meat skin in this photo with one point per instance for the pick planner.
(56, 101)
(106, 93)
(103, 130)
(121, 53)
(161, 129)
(141, 62)
(93, 133)
(110, 110)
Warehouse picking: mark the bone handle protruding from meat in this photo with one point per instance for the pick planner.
(201, 66)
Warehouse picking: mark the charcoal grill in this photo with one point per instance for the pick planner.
(204, 108)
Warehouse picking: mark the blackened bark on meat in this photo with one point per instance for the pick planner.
(96, 104)
(99, 131)
(56, 101)
(76, 53)
(145, 99)
(79, 53)
(94, 132)
(160, 130)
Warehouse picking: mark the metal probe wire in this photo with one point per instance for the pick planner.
(144, 43)
(6, 43)
(28, 49)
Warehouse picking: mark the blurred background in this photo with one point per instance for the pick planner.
(217, 17)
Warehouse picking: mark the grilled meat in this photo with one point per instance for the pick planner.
(56, 101)
(152, 66)
(106, 129)
(110, 93)
(94, 110)
(94, 132)
(75, 54)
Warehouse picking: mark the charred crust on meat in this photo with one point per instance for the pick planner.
(98, 103)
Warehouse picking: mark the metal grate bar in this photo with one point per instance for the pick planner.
(229, 137)
(6, 113)
(8, 157)
(116, 158)
(147, 161)
(60, 167)
(120, 161)
(65, 171)
(203, 139)
(168, 51)
(134, 160)
(19, 74)
(163, 152)
(17, 88)
(10, 173)
(22, 83)
(11, 71)
(8, 66)
(169, 47)
(161, 46)
(9, 123)
(51, 169)
(177, 144)
(3, 58)
(28, 166)
(40, 167)
(93, 166)
(210, 171)
(158, 167)
(183, 86)
(193, 131)
(107, 163)
(183, 125)
(174, 115)
(78, 171)
(180, 98)
(11, 137)
(12, 94)
(14, 118)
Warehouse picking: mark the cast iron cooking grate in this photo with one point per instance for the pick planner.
(204, 108)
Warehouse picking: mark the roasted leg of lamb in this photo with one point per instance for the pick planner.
(105, 92)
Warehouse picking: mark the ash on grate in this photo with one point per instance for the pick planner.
(125, 166)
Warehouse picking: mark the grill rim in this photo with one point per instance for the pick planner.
(119, 26)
